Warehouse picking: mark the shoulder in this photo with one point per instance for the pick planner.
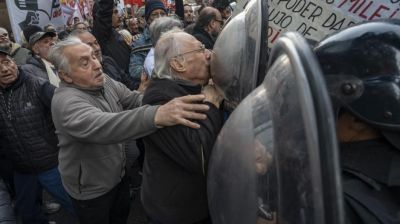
(161, 91)
(64, 97)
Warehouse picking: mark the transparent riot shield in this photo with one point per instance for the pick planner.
(241, 53)
(276, 158)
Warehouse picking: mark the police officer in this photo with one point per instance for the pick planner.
(361, 65)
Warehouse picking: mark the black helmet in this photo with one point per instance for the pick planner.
(361, 65)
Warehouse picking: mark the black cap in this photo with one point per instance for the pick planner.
(40, 35)
(30, 30)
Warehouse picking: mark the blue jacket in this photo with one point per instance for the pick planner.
(140, 48)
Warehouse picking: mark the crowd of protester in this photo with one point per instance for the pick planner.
(74, 120)
(120, 104)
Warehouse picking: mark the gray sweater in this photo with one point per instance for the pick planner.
(92, 126)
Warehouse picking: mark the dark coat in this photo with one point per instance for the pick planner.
(371, 182)
(111, 68)
(176, 160)
(27, 133)
(203, 37)
(111, 42)
(35, 66)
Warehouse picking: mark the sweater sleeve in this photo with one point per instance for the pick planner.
(81, 120)
(129, 99)
(102, 24)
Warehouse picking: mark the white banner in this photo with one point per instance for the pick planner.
(34, 12)
(317, 18)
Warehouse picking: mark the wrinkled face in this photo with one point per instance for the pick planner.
(155, 14)
(116, 18)
(85, 69)
(90, 40)
(8, 71)
(4, 38)
(188, 14)
(42, 46)
(134, 26)
(196, 59)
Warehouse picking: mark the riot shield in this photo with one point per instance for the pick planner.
(241, 53)
(276, 158)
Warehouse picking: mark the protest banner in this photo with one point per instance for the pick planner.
(33, 12)
(314, 19)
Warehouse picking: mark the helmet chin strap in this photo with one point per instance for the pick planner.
(351, 129)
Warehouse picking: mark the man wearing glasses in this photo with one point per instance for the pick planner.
(175, 166)
(208, 26)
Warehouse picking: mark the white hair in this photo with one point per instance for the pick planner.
(168, 46)
(56, 53)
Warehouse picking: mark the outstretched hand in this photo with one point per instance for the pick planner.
(181, 110)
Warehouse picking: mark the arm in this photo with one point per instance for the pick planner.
(136, 66)
(81, 120)
(102, 24)
(45, 92)
(128, 99)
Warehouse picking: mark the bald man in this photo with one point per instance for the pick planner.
(208, 26)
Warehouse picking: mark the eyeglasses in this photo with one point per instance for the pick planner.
(202, 49)
(220, 21)
(157, 14)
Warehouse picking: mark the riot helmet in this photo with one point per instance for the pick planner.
(361, 66)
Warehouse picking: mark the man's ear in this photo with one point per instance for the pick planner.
(35, 49)
(177, 65)
(64, 76)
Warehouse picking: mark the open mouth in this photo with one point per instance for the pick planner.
(99, 75)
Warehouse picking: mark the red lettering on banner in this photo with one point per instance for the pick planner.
(366, 9)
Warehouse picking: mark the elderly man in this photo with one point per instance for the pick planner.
(208, 26)
(140, 48)
(94, 115)
(175, 166)
(27, 137)
(18, 53)
(38, 65)
(110, 67)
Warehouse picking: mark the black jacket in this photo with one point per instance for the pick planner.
(27, 133)
(371, 182)
(111, 68)
(176, 160)
(111, 42)
(203, 37)
(35, 66)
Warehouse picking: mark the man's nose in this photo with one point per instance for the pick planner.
(96, 65)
